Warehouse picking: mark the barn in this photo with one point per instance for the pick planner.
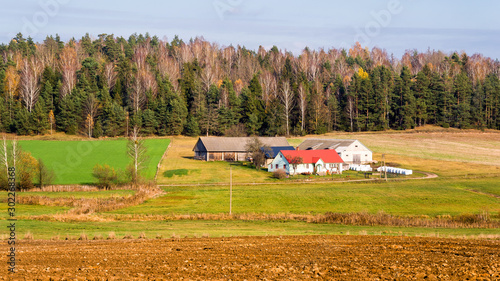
(296, 162)
(351, 151)
(230, 148)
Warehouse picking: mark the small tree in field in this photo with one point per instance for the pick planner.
(26, 170)
(136, 150)
(258, 152)
(105, 175)
(44, 175)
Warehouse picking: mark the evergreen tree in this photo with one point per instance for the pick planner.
(462, 92)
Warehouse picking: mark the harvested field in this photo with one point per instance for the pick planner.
(257, 258)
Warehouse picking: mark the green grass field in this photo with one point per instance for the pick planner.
(189, 228)
(424, 197)
(72, 161)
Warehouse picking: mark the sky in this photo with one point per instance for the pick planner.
(291, 25)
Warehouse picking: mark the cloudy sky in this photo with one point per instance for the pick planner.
(394, 25)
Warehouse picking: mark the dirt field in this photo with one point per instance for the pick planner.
(259, 258)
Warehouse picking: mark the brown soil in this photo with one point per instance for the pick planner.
(259, 258)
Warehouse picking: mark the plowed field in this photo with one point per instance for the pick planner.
(259, 258)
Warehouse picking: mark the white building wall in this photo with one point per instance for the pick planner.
(356, 148)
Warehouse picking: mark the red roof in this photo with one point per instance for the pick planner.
(312, 156)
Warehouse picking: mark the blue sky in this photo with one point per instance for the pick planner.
(394, 25)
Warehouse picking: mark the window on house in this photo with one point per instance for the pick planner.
(307, 166)
(366, 155)
(356, 146)
(284, 166)
(276, 166)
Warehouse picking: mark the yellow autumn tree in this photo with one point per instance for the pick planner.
(52, 120)
(11, 81)
(89, 125)
(363, 74)
(26, 170)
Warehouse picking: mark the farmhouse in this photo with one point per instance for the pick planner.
(296, 162)
(272, 151)
(230, 148)
(351, 151)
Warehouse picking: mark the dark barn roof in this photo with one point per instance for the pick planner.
(274, 150)
(236, 144)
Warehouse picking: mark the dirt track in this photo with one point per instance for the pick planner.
(257, 258)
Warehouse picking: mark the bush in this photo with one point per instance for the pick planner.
(279, 174)
(106, 176)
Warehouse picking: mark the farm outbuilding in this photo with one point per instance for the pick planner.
(272, 151)
(351, 151)
(230, 148)
(296, 162)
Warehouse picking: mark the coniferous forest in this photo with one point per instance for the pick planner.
(106, 85)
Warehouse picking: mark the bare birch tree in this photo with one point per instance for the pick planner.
(302, 106)
(68, 65)
(31, 71)
(137, 151)
(4, 155)
(286, 97)
(90, 111)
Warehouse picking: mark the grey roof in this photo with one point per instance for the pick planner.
(317, 144)
(274, 150)
(237, 144)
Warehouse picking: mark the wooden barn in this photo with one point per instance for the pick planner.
(351, 151)
(230, 148)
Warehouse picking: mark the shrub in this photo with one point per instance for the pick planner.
(106, 176)
(28, 236)
(279, 174)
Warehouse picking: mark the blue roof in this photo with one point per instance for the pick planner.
(276, 149)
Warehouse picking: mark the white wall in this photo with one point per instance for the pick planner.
(366, 156)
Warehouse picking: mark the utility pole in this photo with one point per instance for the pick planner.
(230, 189)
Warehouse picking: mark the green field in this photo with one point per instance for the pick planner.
(189, 228)
(72, 161)
(424, 197)
(466, 185)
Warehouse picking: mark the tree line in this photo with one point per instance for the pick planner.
(107, 85)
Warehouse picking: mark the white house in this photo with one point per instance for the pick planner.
(351, 151)
(296, 162)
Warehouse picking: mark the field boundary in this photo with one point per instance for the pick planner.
(427, 176)
(163, 157)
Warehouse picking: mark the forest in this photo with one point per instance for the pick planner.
(107, 85)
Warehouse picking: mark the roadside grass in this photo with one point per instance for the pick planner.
(32, 210)
(72, 194)
(408, 198)
(73, 161)
(195, 229)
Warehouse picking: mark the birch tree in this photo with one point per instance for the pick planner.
(30, 82)
(286, 97)
(302, 106)
(137, 151)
